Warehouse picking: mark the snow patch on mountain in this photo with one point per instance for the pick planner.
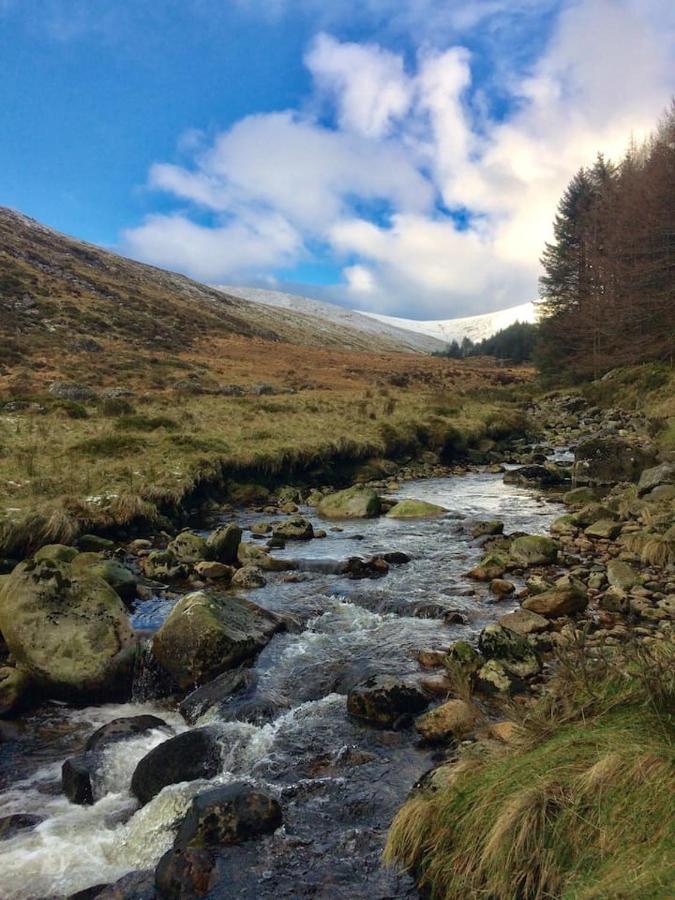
(477, 328)
(407, 339)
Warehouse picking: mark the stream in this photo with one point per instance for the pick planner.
(339, 782)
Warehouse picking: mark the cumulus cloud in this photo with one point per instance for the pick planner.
(397, 172)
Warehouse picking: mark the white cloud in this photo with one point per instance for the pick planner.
(412, 145)
(367, 84)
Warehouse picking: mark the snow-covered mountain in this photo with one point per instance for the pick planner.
(477, 328)
(405, 338)
(422, 336)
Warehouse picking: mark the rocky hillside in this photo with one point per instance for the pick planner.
(59, 295)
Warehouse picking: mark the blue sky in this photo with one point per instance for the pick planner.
(403, 157)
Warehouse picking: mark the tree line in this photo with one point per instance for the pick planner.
(516, 343)
(607, 296)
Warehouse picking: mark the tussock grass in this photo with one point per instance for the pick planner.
(580, 808)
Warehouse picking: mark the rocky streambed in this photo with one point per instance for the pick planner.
(293, 677)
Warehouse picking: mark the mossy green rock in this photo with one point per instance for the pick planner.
(14, 691)
(58, 552)
(353, 503)
(593, 512)
(621, 575)
(564, 525)
(222, 544)
(464, 657)
(295, 528)
(579, 496)
(120, 578)
(208, 632)
(68, 630)
(606, 529)
(415, 509)
(492, 565)
(163, 564)
(534, 550)
(188, 547)
(92, 543)
(250, 554)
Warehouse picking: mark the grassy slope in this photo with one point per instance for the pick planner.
(173, 343)
(579, 808)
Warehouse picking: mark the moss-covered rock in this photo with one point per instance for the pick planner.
(415, 509)
(222, 544)
(120, 578)
(492, 565)
(162, 564)
(452, 719)
(534, 550)
(463, 658)
(15, 691)
(593, 512)
(608, 460)
(511, 649)
(68, 630)
(295, 528)
(353, 503)
(606, 529)
(565, 525)
(57, 552)
(250, 554)
(208, 632)
(188, 547)
(580, 496)
(621, 575)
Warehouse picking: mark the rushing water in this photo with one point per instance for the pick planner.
(339, 781)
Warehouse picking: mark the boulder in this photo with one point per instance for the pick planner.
(488, 527)
(415, 509)
(295, 528)
(93, 543)
(248, 577)
(214, 571)
(120, 578)
(185, 757)
(15, 691)
(208, 632)
(252, 554)
(511, 649)
(68, 630)
(536, 584)
(184, 874)
(188, 547)
(492, 565)
(463, 657)
(57, 552)
(557, 602)
(71, 390)
(523, 622)
(492, 678)
(580, 496)
(502, 588)
(77, 778)
(17, 823)
(217, 692)
(593, 512)
(614, 599)
(604, 529)
(621, 575)
(533, 476)
(222, 544)
(163, 564)
(122, 729)
(372, 567)
(353, 503)
(610, 459)
(564, 525)
(663, 474)
(383, 699)
(533, 550)
(453, 719)
(228, 815)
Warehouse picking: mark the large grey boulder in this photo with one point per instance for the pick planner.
(610, 459)
(353, 503)
(208, 632)
(655, 477)
(185, 757)
(68, 630)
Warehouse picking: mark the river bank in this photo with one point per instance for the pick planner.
(324, 721)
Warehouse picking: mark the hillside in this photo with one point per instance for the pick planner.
(332, 314)
(61, 296)
(476, 328)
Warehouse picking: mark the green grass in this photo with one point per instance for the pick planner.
(580, 808)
